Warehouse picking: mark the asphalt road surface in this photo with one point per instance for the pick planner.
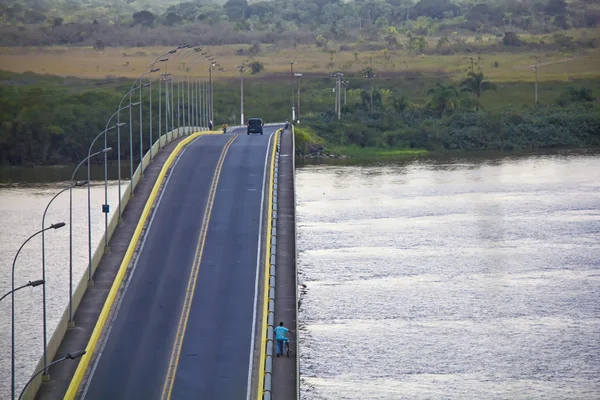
(184, 327)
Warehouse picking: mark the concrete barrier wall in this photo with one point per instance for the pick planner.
(268, 319)
(296, 263)
(62, 326)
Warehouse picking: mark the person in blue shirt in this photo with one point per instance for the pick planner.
(280, 332)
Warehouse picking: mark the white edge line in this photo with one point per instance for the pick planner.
(116, 312)
(258, 259)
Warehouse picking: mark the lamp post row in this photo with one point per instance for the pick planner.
(198, 103)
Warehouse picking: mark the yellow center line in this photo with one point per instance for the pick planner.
(191, 287)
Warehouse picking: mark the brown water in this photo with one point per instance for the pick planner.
(458, 279)
(448, 278)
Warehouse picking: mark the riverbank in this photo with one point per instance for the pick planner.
(368, 157)
(417, 131)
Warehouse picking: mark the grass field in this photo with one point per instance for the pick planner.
(374, 152)
(312, 62)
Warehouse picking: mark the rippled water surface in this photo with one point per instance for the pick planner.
(21, 210)
(429, 279)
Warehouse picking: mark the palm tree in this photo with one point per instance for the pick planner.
(443, 98)
(476, 84)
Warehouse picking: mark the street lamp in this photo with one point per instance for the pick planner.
(179, 93)
(241, 68)
(181, 119)
(12, 292)
(28, 284)
(203, 114)
(210, 89)
(213, 63)
(131, 105)
(150, 112)
(298, 75)
(193, 97)
(292, 74)
(70, 323)
(69, 356)
(166, 79)
(44, 259)
(162, 58)
(104, 206)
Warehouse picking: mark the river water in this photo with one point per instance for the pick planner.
(473, 278)
(457, 278)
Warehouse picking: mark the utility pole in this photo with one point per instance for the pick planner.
(534, 67)
(346, 83)
(370, 75)
(210, 88)
(241, 68)
(338, 89)
(335, 91)
(292, 75)
(298, 75)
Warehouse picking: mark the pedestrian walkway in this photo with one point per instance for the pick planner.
(284, 369)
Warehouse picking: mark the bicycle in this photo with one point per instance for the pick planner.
(286, 346)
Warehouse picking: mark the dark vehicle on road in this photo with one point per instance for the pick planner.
(255, 125)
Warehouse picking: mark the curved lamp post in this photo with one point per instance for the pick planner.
(200, 114)
(162, 58)
(12, 292)
(104, 206)
(183, 83)
(131, 105)
(193, 98)
(28, 284)
(192, 95)
(213, 64)
(179, 90)
(210, 89)
(132, 89)
(44, 260)
(242, 69)
(69, 356)
(70, 323)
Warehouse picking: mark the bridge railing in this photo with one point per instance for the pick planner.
(293, 155)
(265, 373)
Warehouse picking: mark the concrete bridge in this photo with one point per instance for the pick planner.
(199, 272)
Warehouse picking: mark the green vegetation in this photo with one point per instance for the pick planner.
(440, 74)
(52, 120)
(456, 118)
(576, 125)
(372, 152)
(427, 25)
(307, 141)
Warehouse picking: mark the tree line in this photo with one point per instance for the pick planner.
(31, 22)
(451, 122)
